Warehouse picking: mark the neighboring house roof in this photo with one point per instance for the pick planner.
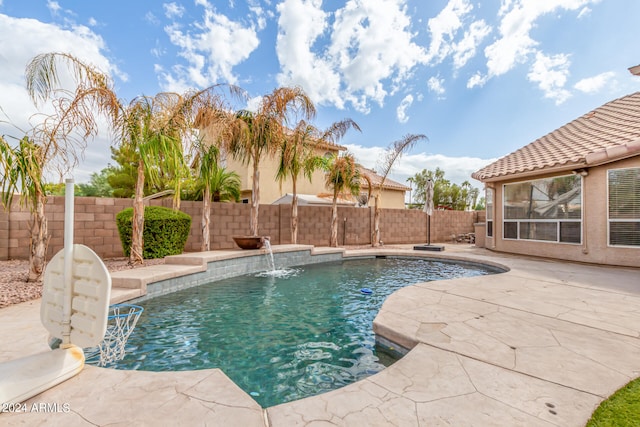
(310, 200)
(376, 179)
(323, 145)
(330, 146)
(608, 133)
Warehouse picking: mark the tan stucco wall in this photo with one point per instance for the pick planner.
(389, 199)
(594, 247)
(271, 190)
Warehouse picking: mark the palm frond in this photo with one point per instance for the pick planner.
(395, 151)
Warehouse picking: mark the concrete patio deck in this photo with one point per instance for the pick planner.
(539, 345)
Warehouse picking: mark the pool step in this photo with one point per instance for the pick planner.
(119, 295)
(137, 279)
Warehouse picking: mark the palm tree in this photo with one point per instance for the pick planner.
(22, 169)
(260, 133)
(395, 151)
(343, 176)
(297, 156)
(217, 182)
(56, 142)
(156, 129)
(151, 131)
(152, 128)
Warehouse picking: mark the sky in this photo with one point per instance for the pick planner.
(479, 78)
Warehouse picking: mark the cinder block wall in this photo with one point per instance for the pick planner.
(95, 225)
(4, 233)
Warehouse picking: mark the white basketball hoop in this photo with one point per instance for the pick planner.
(121, 322)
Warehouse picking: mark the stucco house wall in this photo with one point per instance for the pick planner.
(604, 139)
(594, 247)
(392, 196)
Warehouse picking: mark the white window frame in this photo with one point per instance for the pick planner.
(542, 221)
(489, 203)
(617, 220)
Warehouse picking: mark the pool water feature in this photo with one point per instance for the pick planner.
(280, 338)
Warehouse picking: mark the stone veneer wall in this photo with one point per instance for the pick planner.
(95, 225)
(224, 269)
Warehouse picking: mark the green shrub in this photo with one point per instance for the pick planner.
(165, 231)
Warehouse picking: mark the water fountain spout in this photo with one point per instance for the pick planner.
(267, 246)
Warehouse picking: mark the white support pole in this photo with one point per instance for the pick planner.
(69, 196)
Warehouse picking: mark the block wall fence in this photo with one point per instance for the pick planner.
(95, 225)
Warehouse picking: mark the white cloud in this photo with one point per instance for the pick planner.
(261, 16)
(300, 24)
(467, 47)
(476, 80)
(584, 12)
(212, 48)
(29, 37)
(436, 85)
(367, 53)
(443, 28)
(158, 51)
(254, 103)
(596, 83)
(550, 73)
(457, 169)
(54, 7)
(515, 45)
(173, 10)
(92, 22)
(401, 111)
(151, 18)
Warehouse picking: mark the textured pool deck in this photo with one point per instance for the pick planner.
(539, 345)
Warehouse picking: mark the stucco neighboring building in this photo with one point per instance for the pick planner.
(572, 194)
(271, 190)
(392, 192)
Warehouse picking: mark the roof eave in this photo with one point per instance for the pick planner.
(533, 172)
(596, 158)
(613, 154)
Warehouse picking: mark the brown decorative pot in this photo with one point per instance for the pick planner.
(249, 242)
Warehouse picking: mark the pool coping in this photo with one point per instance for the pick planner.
(571, 351)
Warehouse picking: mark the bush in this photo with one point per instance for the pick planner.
(165, 231)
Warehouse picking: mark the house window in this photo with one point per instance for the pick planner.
(624, 206)
(548, 209)
(489, 210)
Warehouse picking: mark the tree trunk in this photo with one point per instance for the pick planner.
(294, 215)
(137, 242)
(375, 237)
(333, 242)
(206, 218)
(177, 190)
(39, 240)
(255, 200)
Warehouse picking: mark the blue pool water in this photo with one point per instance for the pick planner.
(280, 338)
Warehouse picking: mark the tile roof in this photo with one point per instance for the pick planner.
(376, 179)
(606, 134)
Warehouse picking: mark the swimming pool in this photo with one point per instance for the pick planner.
(281, 339)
